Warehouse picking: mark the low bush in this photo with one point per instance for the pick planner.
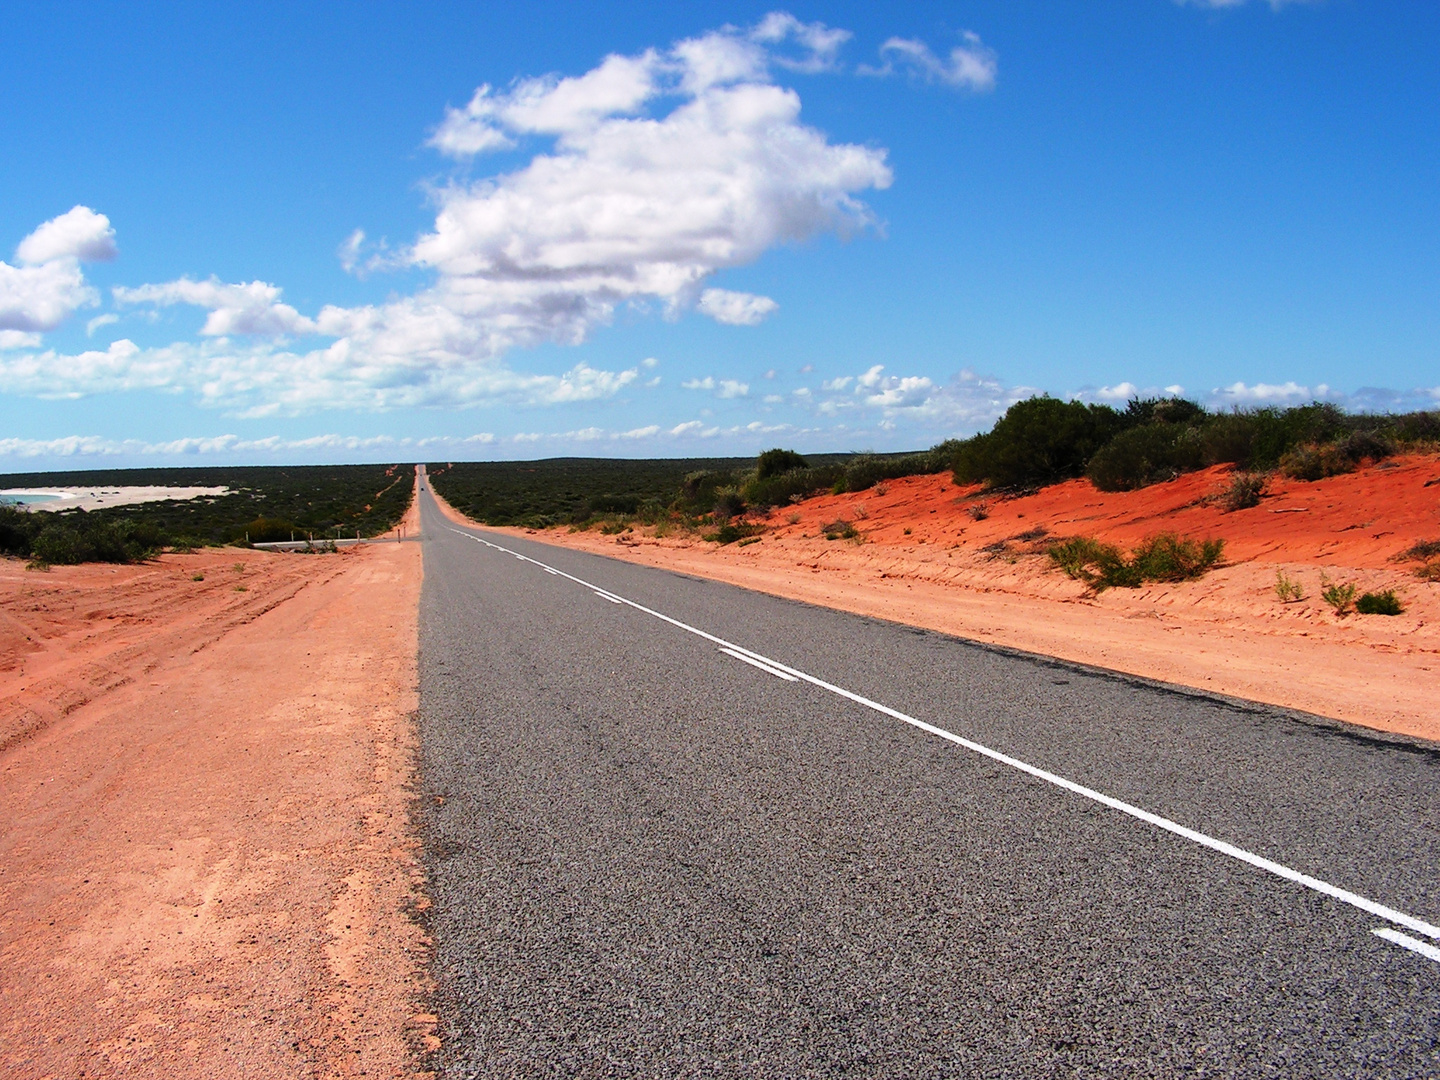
(1146, 455)
(1379, 603)
(778, 462)
(732, 531)
(1339, 597)
(1163, 557)
(1041, 440)
(1314, 462)
(840, 530)
(1287, 588)
(1243, 493)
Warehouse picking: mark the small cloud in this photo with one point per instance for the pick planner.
(722, 388)
(770, 374)
(773, 399)
(970, 66)
(807, 369)
(649, 362)
(99, 321)
(18, 339)
(1120, 392)
(79, 233)
(736, 308)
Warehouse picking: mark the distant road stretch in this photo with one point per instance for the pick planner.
(674, 828)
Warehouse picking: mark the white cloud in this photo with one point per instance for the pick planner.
(108, 319)
(967, 401)
(40, 298)
(970, 66)
(18, 339)
(259, 380)
(633, 203)
(1267, 393)
(1119, 392)
(252, 308)
(79, 233)
(736, 308)
(722, 388)
(819, 43)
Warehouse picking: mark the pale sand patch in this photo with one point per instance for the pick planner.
(96, 498)
(1226, 633)
(206, 865)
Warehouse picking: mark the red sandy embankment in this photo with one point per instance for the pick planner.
(925, 560)
(206, 868)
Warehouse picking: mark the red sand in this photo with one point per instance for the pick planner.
(1227, 632)
(206, 865)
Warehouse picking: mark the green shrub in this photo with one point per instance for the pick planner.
(778, 462)
(1243, 493)
(840, 530)
(778, 490)
(1314, 462)
(1379, 603)
(732, 531)
(1038, 441)
(1164, 557)
(265, 530)
(1169, 557)
(1287, 588)
(1146, 455)
(1166, 410)
(1339, 597)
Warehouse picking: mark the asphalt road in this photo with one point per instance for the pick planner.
(652, 857)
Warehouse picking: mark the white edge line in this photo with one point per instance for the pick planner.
(1345, 896)
(763, 667)
(1405, 941)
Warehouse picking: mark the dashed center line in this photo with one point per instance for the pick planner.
(763, 667)
(1259, 862)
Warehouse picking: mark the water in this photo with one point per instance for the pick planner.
(25, 498)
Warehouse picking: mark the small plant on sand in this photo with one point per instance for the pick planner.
(840, 530)
(1164, 557)
(862, 512)
(1339, 597)
(792, 518)
(1243, 493)
(978, 511)
(1379, 603)
(1287, 588)
(197, 577)
(241, 588)
(732, 531)
(239, 568)
(907, 530)
(748, 541)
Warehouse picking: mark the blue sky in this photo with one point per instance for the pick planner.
(302, 233)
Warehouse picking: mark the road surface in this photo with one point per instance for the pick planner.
(675, 828)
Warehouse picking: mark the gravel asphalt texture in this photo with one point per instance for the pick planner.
(648, 858)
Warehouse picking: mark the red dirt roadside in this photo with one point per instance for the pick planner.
(205, 862)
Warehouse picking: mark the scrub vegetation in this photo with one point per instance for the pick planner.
(1163, 557)
(1043, 441)
(264, 503)
(704, 494)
